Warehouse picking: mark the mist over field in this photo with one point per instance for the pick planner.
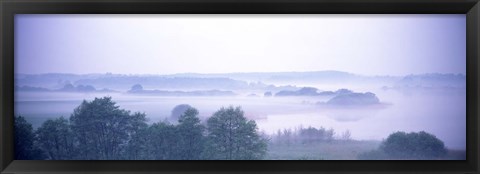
(239, 86)
(434, 103)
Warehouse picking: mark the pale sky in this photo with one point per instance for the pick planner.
(167, 44)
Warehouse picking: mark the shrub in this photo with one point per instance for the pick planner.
(421, 145)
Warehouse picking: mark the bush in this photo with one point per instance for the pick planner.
(422, 145)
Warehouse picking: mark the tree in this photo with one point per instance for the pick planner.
(85, 88)
(346, 135)
(162, 141)
(422, 145)
(232, 137)
(137, 130)
(68, 88)
(101, 129)
(190, 135)
(179, 110)
(136, 88)
(284, 137)
(24, 138)
(55, 139)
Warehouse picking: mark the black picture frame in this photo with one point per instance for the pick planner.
(9, 8)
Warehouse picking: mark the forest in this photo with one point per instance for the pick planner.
(101, 130)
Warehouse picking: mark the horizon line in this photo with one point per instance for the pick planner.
(197, 73)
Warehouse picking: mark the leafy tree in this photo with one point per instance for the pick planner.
(178, 111)
(284, 137)
(136, 88)
(232, 137)
(85, 88)
(101, 129)
(162, 142)
(347, 135)
(55, 139)
(24, 138)
(137, 129)
(422, 145)
(190, 135)
(68, 87)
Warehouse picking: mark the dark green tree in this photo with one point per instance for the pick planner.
(190, 135)
(55, 138)
(137, 129)
(24, 139)
(421, 145)
(163, 142)
(101, 129)
(232, 137)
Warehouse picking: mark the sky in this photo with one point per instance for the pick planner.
(173, 43)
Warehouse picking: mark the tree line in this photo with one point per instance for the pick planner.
(100, 130)
(301, 135)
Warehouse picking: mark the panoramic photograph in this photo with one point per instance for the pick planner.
(240, 87)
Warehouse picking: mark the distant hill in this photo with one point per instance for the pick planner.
(30, 88)
(124, 82)
(259, 81)
(305, 91)
(54, 80)
(445, 84)
(66, 88)
(309, 77)
(354, 98)
(433, 80)
(267, 77)
(310, 91)
(184, 93)
(161, 82)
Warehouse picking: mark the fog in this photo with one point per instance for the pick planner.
(440, 113)
(399, 44)
(370, 75)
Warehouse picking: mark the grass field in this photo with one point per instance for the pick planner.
(333, 150)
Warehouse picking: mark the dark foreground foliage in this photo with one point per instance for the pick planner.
(232, 137)
(24, 141)
(100, 130)
(405, 146)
